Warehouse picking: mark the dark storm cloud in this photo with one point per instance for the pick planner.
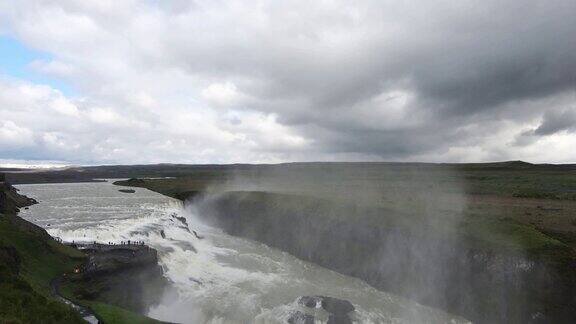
(522, 51)
(461, 63)
(557, 121)
(302, 80)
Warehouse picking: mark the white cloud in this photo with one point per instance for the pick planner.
(64, 106)
(46, 125)
(244, 81)
(13, 136)
(222, 95)
(53, 68)
(104, 116)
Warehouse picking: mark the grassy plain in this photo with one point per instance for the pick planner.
(505, 205)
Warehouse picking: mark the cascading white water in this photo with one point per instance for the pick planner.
(216, 278)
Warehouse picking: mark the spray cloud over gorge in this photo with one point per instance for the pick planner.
(402, 230)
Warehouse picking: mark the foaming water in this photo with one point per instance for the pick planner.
(216, 278)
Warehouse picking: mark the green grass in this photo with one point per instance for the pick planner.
(19, 303)
(115, 315)
(106, 312)
(42, 259)
(25, 281)
(509, 235)
(27, 263)
(540, 182)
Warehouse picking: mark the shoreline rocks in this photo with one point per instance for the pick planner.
(125, 275)
(11, 201)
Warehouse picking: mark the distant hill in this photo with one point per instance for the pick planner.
(91, 173)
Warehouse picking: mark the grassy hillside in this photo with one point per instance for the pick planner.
(110, 314)
(29, 260)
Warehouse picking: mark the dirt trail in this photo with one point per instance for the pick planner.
(85, 312)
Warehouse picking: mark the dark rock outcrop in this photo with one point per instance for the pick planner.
(127, 190)
(112, 258)
(197, 236)
(11, 201)
(182, 220)
(337, 308)
(128, 276)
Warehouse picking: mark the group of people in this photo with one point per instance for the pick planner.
(102, 245)
(129, 242)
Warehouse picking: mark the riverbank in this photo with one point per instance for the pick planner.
(30, 259)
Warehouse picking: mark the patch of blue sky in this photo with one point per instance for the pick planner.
(15, 60)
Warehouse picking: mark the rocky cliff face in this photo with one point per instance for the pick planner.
(444, 271)
(128, 276)
(107, 259)
(11, 200)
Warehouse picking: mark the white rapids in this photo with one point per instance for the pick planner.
(218, 278)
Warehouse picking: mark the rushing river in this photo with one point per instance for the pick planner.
(219, 278)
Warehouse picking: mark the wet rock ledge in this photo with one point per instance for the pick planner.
(127, 275)
(338, 310)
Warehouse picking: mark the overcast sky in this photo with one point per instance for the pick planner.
(108, 81)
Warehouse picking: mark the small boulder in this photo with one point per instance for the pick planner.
(197, 236)
(181, 219)
(310, 301)
(337, 308)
